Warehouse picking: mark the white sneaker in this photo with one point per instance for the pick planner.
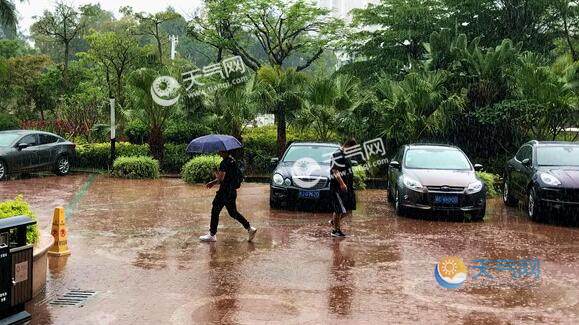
(251, 231)
(208, 238)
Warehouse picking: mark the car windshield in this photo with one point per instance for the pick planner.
(320, 154)
(6, 139)
(558, 156)
(436, 158)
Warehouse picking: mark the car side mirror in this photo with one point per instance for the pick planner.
(274, 161)
(355, 163)
(394, 164)
(22, 146)
(478, 167)
(526, 162)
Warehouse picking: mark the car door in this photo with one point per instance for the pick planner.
(520, 173)
(47, 150)
(26, 158)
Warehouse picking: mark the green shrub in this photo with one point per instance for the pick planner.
(360, 177)
(8, 122)
(182, 132)
(137, 131)
(175, 157)
(491, 182)
(97, 155)
(200, 169)
(19, 207)
(140, 167)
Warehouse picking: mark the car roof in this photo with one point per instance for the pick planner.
(551, 143)
(431, 145)
(321, 144)
(25, 132)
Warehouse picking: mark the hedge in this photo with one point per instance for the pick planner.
(491, 181)
(175, 157)
(19, 207)
(97, 155)
(140, 167)
(360, 177)
(200, 169)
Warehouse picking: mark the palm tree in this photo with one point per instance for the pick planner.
(234, 107)
(279, 91)
(154, 115)
(329, 104)
(8, 15)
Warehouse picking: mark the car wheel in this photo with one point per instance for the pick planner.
(533, 208)
(508, 198)
(397, 204)
(389, 196)
(62, 165)
(3, 171)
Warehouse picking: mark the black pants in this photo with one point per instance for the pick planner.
(225, 199)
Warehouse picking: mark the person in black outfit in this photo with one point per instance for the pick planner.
(342, 188)
(226, 197)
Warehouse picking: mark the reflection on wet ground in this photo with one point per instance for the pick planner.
(135, 243)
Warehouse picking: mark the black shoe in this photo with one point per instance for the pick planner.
(338, 233)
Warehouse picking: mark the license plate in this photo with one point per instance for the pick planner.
(446, 199)
(309, 194)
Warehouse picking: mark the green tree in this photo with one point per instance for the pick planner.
(329, 102)
(154, 116)
(391, 33)
(281, 28)
(280, 91)
(63, 26)
(235, 107)
(116, 53)
(151, 25)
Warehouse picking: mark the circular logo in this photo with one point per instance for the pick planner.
(163, 87)
(306, 173)
(450, 272)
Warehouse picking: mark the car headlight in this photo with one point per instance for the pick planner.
(278, 179)
(474, 187)
(411, 183)
(550, 179)
(287, 182)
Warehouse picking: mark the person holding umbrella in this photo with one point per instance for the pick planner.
(229, 178)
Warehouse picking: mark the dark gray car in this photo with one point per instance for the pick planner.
(24, 151)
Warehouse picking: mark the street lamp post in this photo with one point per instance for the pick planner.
(113, 130)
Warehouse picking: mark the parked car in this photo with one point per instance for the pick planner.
(427, 177)
(27, 151)
(303, 175)
(544, 175)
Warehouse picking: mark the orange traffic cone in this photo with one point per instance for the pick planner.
(60, 234)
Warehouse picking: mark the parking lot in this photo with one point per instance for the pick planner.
(134, 243)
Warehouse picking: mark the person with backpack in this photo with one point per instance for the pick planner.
(229, 177)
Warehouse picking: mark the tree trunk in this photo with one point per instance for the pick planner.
(281, 131)
(156, 143)
(159, 45)
(65, 71)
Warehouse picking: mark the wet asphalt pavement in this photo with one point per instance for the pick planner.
(135, 244)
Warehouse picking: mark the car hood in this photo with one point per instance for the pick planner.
(568, 176)
(285, 169)
(429, 177)
(4, 150)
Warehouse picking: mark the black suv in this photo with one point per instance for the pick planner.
(544, 175)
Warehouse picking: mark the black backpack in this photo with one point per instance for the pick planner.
(238, 174)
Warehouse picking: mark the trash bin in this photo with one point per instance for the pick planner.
(15, 270)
